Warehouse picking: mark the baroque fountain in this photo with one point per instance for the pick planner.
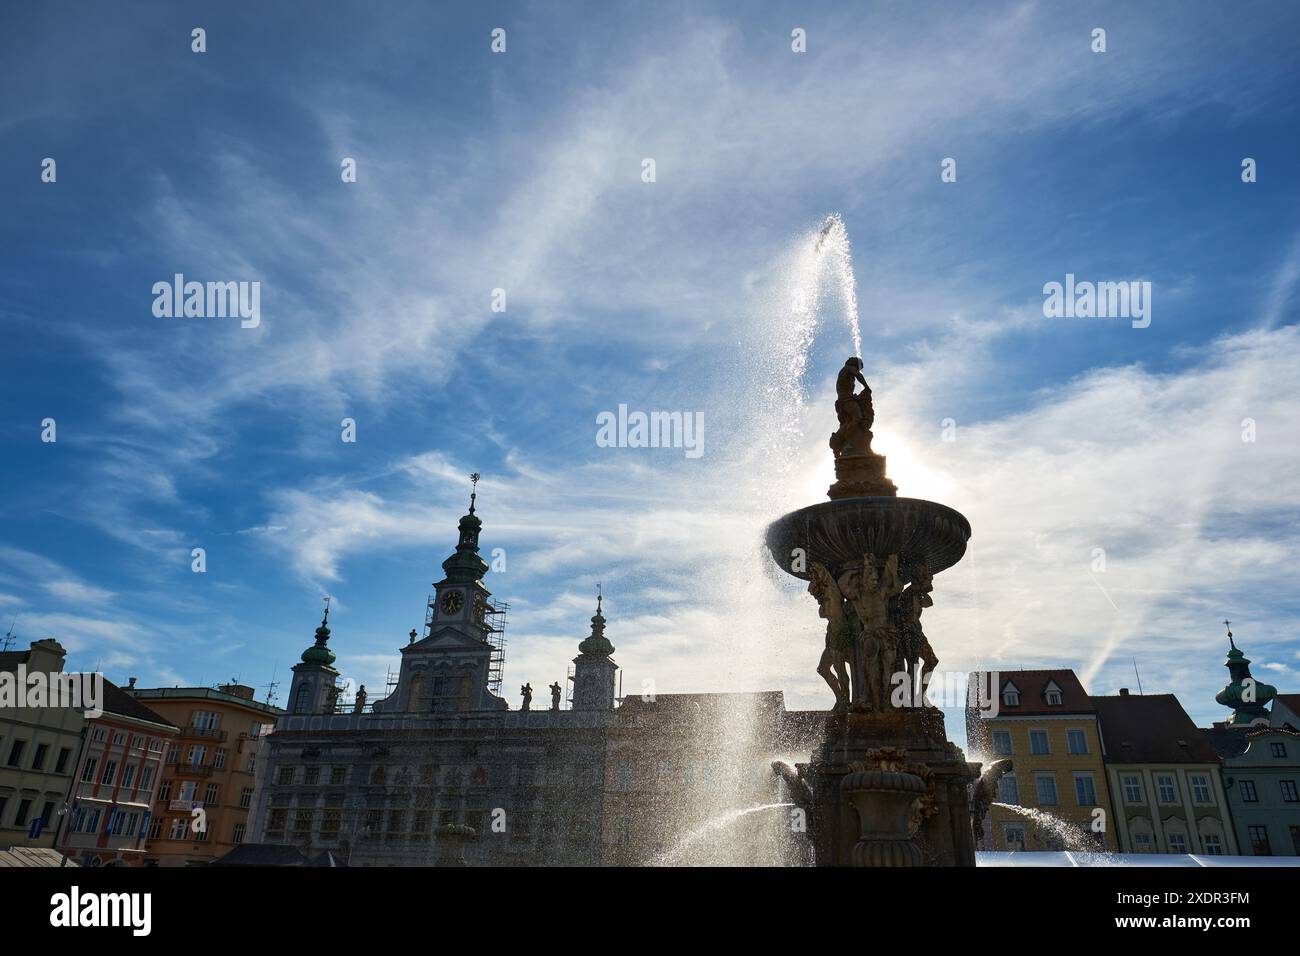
(885, 787)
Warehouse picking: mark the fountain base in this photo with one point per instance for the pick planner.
(861, 476)
(847, 802)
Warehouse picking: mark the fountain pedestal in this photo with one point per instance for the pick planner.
(850, 806)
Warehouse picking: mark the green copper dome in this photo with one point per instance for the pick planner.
(466, 566)
(597, 645)
(1245, 695)
(319, 653)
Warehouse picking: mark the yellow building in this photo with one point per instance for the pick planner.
(210, 768)
(1046, 724)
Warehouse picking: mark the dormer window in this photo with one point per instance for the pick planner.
(1052, 693)
(1011, 695)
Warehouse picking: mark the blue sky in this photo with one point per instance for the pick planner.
(522, 171)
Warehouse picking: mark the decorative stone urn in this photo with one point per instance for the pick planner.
(883, 801)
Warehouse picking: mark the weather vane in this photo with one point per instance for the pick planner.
(473, 491)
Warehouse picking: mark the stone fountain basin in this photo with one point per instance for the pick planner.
(838, 533)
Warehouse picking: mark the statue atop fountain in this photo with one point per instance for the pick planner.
(859, 471)
(869, 558)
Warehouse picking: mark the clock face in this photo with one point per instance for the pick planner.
(452, 602)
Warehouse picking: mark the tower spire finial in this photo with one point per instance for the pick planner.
(473, 493)
(600, 596)
(1228, 625)
(324, 621)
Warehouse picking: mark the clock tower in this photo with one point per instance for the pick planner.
(448, 670)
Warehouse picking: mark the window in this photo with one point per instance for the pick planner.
(38, 757)
(219, 758)
(311, 776)
(302, 821)
(99, 735)
(1200, 788)
(1259, 841)
(1278, 748)
(339, 774)
(239, 832)
(187, 790)
(1077, 740)
(1052, 694)
(198, 754)
(1166, 791)
(1038, 742)
(146, 779)
(1045, 784)
(277, 820)
(1013, 834)
(110, 772)
(285, 777)
(1009, 790)
(1002, 743)
(329, 824)
(24, 808)
(205, 719)
(1213, 845)
(246, 798)
(155, 828)
(1132, 789)
(1248, 794)
(173, 752)
(92, 820)
(210, 794)
(1011, 695)
(1288, 791)
(1142, 843)
(179, 826)
(128, 775)
(88, 771)
(1177, 843)
(119, 740)
(165, 791)
(61, 764)
(16, 752)
(1085, 790)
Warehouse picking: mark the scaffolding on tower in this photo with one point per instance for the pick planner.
(494, 617)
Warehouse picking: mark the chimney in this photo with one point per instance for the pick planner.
(1123, 692)
(130, 684)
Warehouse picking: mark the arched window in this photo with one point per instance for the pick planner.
(302, 702)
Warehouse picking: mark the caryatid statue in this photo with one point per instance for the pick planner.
(556, 690)
(917, 657)
(840, 634)
(858, 628)
(527, 691)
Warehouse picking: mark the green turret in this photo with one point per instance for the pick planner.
(1245, 695)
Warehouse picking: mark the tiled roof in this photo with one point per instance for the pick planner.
(118, 701)
(1151, 728)
(1033, 692)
